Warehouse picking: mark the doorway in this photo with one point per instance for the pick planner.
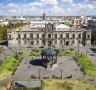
(67, 43)
(49, 43)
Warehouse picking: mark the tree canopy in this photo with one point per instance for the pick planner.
(3, 29)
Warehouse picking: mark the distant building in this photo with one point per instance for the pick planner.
(48, 33)
(92, 27)
(83, 20)
(4, 23)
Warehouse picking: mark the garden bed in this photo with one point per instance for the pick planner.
(87, 65)
(66, 54)
(67, 85)
(62, 85)
(8, 67)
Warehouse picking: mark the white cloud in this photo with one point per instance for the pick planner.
(55, 6)
(1, 11)
(12, 5)
(67, 1)
(12, 11)
(90, 6)
(36, 4)
(57, 9)
(69, 9)
(52, 2)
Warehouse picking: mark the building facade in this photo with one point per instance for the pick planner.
(47, 33)
(92, 27)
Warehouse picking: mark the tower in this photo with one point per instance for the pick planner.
(44, 16)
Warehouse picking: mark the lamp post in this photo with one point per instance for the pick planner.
(78, 47)
(39, 73)
(61, 72)
(75, 52)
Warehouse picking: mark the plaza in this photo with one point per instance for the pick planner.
(31, 66)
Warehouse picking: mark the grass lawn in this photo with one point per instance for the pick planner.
(39, 54)
(87, 65)
(34, 53)
(27, 54)
(0, 62)
(63, 85)
(67, 85)
(2, 88)
(0, 50)
(7, 67)
(66, 54)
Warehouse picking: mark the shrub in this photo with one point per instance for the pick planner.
(71, 49)
(20, 53)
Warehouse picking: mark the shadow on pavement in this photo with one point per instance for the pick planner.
(36, 62)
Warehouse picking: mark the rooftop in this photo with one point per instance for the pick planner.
(39, 22)
(49, 52)
(92, 20)
(61, 26)
(27, 84)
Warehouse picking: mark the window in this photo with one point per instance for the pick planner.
(55, 35)
(61, 36)
(73, 35)
(49, 35)
(25, 36)
(37, 42)
(31, 42)
(67, 42)
(88, 36)
(37, 35)
(31, 35)
(72, 42)
(19, 36)
(43, 36)
(9, 36)
(79, 35)
(67, 35)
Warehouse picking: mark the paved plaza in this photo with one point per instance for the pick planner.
(32, 67)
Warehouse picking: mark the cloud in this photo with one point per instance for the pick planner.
(67, 1)
(1, 11)
(51, 2)
(57, 9)
(63, 7)
(90, 6)
(12, 5)
(36, 4)
(69, 9)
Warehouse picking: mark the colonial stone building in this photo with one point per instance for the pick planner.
(92, 27)
(47, 33)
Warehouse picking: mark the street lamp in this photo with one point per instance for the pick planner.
(75, 52)
(39, 73)
(61, 70)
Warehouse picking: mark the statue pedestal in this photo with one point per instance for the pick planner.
(52, 67)
(49, 66)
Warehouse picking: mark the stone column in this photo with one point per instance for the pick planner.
(58, 39)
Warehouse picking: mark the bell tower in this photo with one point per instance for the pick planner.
(44, 15)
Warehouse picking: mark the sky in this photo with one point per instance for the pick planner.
(50, 7)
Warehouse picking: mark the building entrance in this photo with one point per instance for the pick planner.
(49, 43)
